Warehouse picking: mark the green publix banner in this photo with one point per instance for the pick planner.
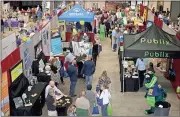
(160, 54)
(155, 41)
(156, 54)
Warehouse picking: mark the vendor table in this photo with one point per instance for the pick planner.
(43, 77)
(63, 107)
(13, 24)
(130, 84)
(37, 102)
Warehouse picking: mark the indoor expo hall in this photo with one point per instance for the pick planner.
(129, 103)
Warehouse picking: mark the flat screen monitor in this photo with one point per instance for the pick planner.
(16, 71)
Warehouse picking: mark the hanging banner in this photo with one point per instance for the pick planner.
(45, 36)
(8, 45)
(62, 29)
(5, 108)
(145, 14)
(56, 46)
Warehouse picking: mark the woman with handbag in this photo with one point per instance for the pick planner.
(103, 80)
(105, 96)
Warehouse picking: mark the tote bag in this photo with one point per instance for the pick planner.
(95, 109)
(114, 46)
(109, 109)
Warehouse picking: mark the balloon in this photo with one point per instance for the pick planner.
(28, 41)
(18, 42)
(74, 31)
(24, 39)
(82, 22)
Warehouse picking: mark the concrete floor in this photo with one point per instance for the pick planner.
(127, 104)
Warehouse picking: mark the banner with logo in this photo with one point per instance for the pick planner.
(152, 54)
(146, 45)
(5, 108)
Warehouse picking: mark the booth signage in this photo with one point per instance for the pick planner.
(155, 41)
(77, 12)
(156, 54)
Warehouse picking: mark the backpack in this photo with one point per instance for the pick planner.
(62, 72)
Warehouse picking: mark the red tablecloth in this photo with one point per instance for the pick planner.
(141, 28)
(60, 58)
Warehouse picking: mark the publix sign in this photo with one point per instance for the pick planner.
(155, 41)
(156, 54)
(76, 12)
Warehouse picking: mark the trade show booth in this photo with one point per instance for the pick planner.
(151, 43)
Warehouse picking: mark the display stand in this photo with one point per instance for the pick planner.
(125, 81)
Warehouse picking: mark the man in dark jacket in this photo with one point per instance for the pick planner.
(88, 70)
(72, 72)
(95, 52)
(108, 26)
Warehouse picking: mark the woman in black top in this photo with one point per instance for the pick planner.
(108, 26)
(95, 52)
(2, 26)
(51, 103)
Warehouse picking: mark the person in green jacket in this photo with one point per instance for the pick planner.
(83, 105)
(154, 92)
(102, 32)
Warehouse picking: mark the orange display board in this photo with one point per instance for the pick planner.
(5, 95)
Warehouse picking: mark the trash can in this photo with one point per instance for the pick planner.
(162, 108)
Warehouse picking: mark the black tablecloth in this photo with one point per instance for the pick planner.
(62, 110)
(130, 84)
(37, 102)
(43, 77)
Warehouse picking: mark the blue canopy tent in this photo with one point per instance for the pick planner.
(76, 14)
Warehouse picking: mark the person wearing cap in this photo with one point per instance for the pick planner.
(72, 72)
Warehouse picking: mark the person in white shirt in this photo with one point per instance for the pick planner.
(160, 16)
(141, 66)
(105, 96)
(52, 85)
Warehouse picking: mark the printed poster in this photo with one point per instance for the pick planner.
(62, 29)
(45, 35)
(27, 59)
(5, 107)
(56, 46)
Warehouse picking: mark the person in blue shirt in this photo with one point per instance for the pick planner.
(78, 26)
(39, 14)
(72, 72)
(88, 70)
(114, 38)
(140, 65)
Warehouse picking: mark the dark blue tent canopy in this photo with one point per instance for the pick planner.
(76, 14)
